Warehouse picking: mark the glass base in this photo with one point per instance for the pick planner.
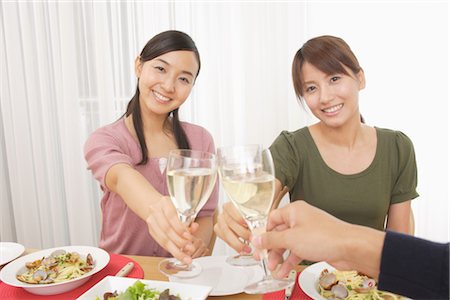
(173, 267)
(242, 260)
(268, 285)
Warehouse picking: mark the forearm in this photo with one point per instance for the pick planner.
(414, 267)
(363, 250)
(133, 188)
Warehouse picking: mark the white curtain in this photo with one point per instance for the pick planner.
(67, 68)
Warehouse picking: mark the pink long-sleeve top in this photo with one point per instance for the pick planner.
(122, 231)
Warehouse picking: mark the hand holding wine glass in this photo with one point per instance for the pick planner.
(166, 228)
(232, 228)
(247, 175)
(191, 176)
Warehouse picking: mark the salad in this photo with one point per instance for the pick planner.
(138, 291)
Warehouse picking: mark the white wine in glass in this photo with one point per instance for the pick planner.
(247, 175)
(191, 176)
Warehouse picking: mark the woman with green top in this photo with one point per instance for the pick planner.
(360, 174)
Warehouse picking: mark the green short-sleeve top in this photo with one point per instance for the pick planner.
(363, 198)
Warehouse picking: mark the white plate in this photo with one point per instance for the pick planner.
(10, 251)
(224, 278)
(120, 284)
(9, 272)
(309, 277)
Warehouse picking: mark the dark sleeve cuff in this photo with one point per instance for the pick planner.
(414, 267)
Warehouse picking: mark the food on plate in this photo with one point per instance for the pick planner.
(58, 266)
(351, 285)
(139, 291)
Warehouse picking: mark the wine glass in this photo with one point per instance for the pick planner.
(191, 176)
(247, 175)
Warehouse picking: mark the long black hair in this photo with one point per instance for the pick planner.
(160, 44)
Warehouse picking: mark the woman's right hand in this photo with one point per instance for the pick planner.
(158, 211)
(233, 229)
(168, 231)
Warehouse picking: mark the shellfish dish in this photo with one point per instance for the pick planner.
(59, 266)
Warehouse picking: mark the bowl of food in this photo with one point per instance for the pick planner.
(56, 270)
(322, 281)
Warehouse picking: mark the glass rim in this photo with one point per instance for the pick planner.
(197, 154)
(241, 146)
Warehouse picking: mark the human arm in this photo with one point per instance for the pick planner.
(158, 211)
(114, 164)
(414, 267)
(312, 234)
(401, 263)
(399, 217)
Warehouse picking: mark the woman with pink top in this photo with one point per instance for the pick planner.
(128, 157)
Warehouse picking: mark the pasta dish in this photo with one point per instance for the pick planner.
(351, 285)
(57, 267)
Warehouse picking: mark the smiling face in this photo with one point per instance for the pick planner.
(333, 99)
(166, 81)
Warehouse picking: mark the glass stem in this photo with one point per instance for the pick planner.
(258, 227)
(186, 219)
(264, 262)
